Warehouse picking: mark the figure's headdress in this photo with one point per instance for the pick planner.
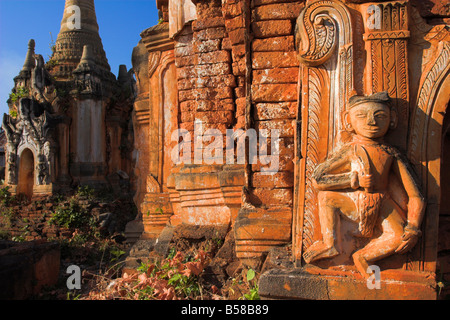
(380, 97)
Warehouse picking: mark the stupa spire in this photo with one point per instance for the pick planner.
(30, 62)
(78, 28)
(28, 65)
(88, 55)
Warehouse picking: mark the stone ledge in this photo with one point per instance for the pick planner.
(26, 268)
(298, 284)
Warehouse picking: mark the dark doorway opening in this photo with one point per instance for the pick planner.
(26, 174)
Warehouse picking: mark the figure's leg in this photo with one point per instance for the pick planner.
(330, 204)
(384, 245)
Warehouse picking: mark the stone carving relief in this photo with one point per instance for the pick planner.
(354, 183)
(30, 130)
(344, 169)
(86, 75)
(12, 172)
(324, 38)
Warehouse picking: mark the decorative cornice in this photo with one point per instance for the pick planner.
(156, 38)
(400, 34)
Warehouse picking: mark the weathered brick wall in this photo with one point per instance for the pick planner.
(274, 92)
(236, 23)
(205, 79)
(237, 69)
(28, 221)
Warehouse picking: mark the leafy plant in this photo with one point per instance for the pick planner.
(116, 254)
(52, 62)
(6, 218)
(172, 278)
(250, 275)
(73, 296)
(158, 211)
(4, 235)
(73, 216)
(17, 94)
(5, 196)
(172, 252)
(13, 113)
(85, 192)
(253, 294)
(251, 280)
(19, 238)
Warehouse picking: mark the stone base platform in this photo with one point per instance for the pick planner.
(26, 268)
(307, 284)
(144, 250)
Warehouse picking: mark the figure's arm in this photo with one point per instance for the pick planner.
(324, 177)
(416, 206)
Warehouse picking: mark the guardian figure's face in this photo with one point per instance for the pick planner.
(370, 119)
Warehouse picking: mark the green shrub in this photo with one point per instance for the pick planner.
(85, 192)
(17, 94)
(72, 216)
(5, 196)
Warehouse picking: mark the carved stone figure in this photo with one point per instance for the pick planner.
(354, 183)
(40, 78)
(12, 177)
(42, 169)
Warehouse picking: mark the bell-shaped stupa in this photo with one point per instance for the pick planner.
(78, 28)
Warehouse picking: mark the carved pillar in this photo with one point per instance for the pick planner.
(63, 128)
(141, 119)
(386, 37)
(324, 38)
(88, 130)
(11, 165)
(161, 113)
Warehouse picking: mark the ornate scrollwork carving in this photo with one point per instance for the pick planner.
(325, 46)
(317, 31)
(33, 129)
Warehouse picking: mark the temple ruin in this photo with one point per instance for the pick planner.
(293, 66)
(243, 118)
(69, 117)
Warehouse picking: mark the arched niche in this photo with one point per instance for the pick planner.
(425, 150)
(26, 178)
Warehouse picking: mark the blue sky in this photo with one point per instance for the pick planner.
(120, 23)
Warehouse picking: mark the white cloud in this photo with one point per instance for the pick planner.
(10, 65)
